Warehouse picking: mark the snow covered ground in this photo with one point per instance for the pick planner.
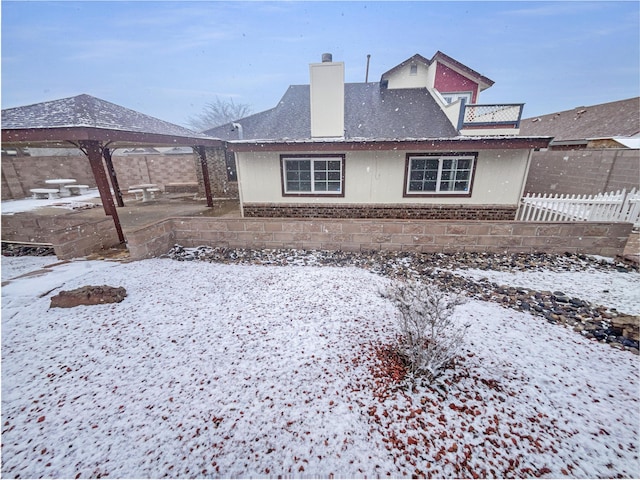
(212, 370)
(9, 207)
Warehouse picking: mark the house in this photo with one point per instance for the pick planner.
(607, 125)
(595, 149)
(416, 144)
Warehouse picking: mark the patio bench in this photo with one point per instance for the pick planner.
(77, 189)
(137, 192)
(50, 193)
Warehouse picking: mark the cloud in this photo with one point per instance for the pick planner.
(553, 9)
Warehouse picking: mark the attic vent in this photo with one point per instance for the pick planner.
(413, 70)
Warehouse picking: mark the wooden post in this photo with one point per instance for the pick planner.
(201, 152)
(106, 153)
(93, 150)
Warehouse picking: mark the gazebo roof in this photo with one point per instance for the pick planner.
(84, 117)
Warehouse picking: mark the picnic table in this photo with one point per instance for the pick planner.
(62, 185)
(147, 190)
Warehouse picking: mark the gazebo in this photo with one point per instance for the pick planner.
(97, 128)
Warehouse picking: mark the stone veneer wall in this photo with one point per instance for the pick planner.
(414, 211)
(221, 186)
(69, 236)
(594, 238)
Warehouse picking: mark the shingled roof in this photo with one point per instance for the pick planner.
(371, 112)
(87, 112)
(606, 120)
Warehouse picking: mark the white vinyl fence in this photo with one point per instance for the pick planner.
(617, 206)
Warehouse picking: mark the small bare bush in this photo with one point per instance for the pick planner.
(429, 337)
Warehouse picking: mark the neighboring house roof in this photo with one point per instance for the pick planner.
(85, 111)
(606, 120)
(371, 112)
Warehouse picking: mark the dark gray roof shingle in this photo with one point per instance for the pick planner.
(371, 112)
(88, 111)
(606, 120)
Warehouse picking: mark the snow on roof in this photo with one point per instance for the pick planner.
(87, 111)
(370, 112)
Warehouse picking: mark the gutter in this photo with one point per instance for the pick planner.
(356, 144)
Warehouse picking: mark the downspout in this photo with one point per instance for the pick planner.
(238, 127)
(524, 182)
(240, 195)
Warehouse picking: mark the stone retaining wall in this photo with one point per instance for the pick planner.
(594, 238)
(70, 237)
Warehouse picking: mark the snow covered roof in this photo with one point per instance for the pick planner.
(606, 120)
(87, 112)
(370, 112)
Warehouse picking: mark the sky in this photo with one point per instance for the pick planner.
(169, 59)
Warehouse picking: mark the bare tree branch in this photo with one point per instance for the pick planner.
(218, 113)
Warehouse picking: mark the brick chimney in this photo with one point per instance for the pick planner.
(327, 97)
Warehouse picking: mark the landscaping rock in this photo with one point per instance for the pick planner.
(88, 295)
(628, 325)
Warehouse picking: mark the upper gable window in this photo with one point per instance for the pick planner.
(413, 69)
(313, 175)
(440, 174)
(455, 96)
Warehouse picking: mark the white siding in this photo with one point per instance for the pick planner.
(378, 177)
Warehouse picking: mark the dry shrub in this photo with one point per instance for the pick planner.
(429, 338)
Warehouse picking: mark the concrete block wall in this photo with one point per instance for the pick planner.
(594, 238)
(586, 171)
(71, 237)
(20, 174)
(84, 239)
(158, 169)
(151, 241)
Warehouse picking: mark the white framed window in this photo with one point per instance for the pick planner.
(313, 175)
(440, 174)
(450, 98)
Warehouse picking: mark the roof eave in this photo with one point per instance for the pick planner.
(60, 135)
(434, 144)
